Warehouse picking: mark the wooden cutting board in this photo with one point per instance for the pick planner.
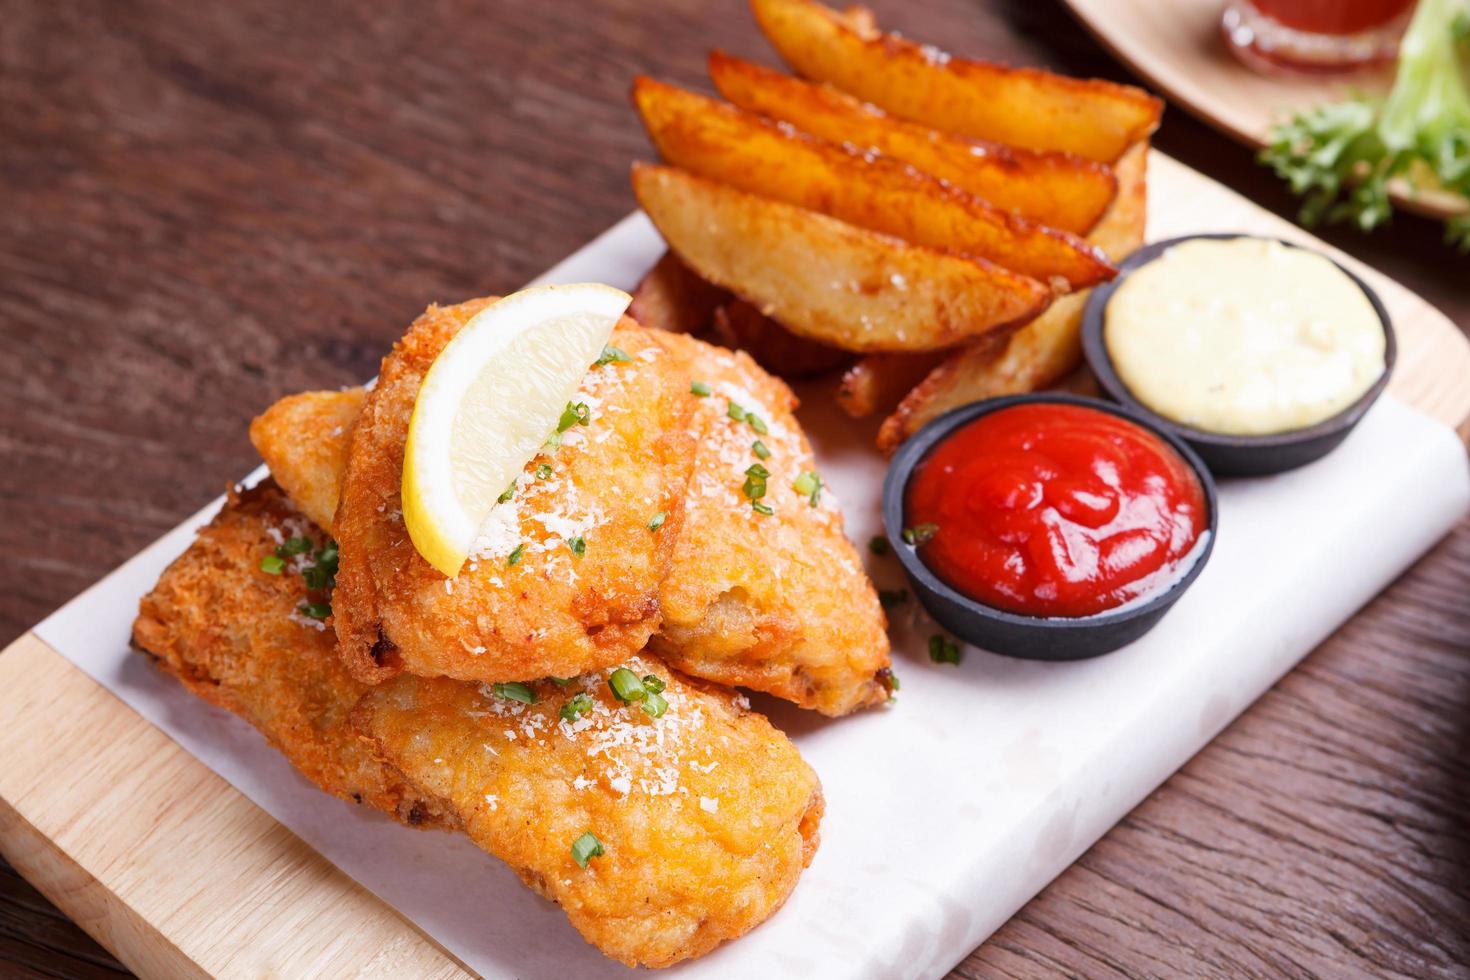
(178, 874)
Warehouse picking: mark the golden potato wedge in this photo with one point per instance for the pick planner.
(671, 297)
(1041, 352)
(716, 140)
(740, 326)
(1056, 189)
(1022, 107)
(876, 382)
(827, 280)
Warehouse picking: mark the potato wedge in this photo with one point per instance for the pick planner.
(716, 140)
(1056, 189)
(740, 326)
(1022, 107)
(1041, 352)
(825, 279)
(671, 297)
(876, 382)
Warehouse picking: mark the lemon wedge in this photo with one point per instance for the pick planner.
(488, 403)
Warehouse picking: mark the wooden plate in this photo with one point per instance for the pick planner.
(1178, 48)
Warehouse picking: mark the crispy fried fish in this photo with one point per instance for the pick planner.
(235, 635)
(566, 572)
(776, 603)
(705, 816)
(312, 430)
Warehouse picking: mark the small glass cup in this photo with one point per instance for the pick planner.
(1314, 36)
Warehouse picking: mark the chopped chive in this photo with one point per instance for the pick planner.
(757, 470)
(755, 422)
(611, 354)
(754, 487)
(654, 705)
(658, 520)
(878, 545)
(760, 450)
(809, 485)
(761, 508)
(699, 388)
(585, 848)
(543, 471)
(510, 492)
(273, 564)
(318, 577)
(888, 679)
(514, 557)
(577, 706)
(890, 598)
(574, 414)
(654, 683)
(919, 533)
(736, 412)
(553, 442)
(626, 685)
(943, 650)
(561, 681)
(316, 610)
(294, 546)
(515, 691)
(578, 546)
(328, 555)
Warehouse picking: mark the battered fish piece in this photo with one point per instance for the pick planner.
(777, 603)
(312, 430)
(565, 575)
(706, 815)
(234, 635)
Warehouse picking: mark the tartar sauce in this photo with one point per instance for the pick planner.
(1243, 336)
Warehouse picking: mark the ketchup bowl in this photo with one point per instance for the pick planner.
(1028, 481)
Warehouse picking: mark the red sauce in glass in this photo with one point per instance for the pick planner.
(1333, 16)
(1056, 510)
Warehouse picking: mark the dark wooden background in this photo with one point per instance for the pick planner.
(206, 205)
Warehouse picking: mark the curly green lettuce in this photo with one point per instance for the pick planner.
(1342, 157)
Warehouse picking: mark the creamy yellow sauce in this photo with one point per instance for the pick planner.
(1243, 337)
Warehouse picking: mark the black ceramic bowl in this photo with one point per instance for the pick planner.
(1013, 634)
(1229, 455)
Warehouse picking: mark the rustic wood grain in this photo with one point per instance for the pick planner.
(209, 205)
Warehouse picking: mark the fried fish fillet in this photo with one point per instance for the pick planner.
(706, 815)
(775, 603)
(312, 430)
(526, 604)
(235, 636)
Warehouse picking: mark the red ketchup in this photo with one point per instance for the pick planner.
(1056, 510)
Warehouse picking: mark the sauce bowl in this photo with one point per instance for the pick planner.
(1014, 634)
(1232, 455)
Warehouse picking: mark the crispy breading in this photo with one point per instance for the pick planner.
(233, 634)
(706, 815)
(312, 430)
(777, 603)
(525, 605)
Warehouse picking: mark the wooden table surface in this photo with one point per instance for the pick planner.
(209, 205)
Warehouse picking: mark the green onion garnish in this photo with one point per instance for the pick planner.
(761, 508)
(579, 704)
(889, 598)
(657, 521)
(578, 546)
(553, 442)
(318, 577)
(574, 414)
(699, 388)
(294, 546)
(515, 556)
(510, 492)
(943, 650)
(760, 450)
(654, 705)
(611, 354)
(654, 683)
(878, 545)
(515, 691)
(316, 610)
(626, 685)
(919, 533)
(585, 848)
(561, 681)
(272, 564)
(543, 471)
(888, 679)
(809, 485)
(736, 412)
(755, 422)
